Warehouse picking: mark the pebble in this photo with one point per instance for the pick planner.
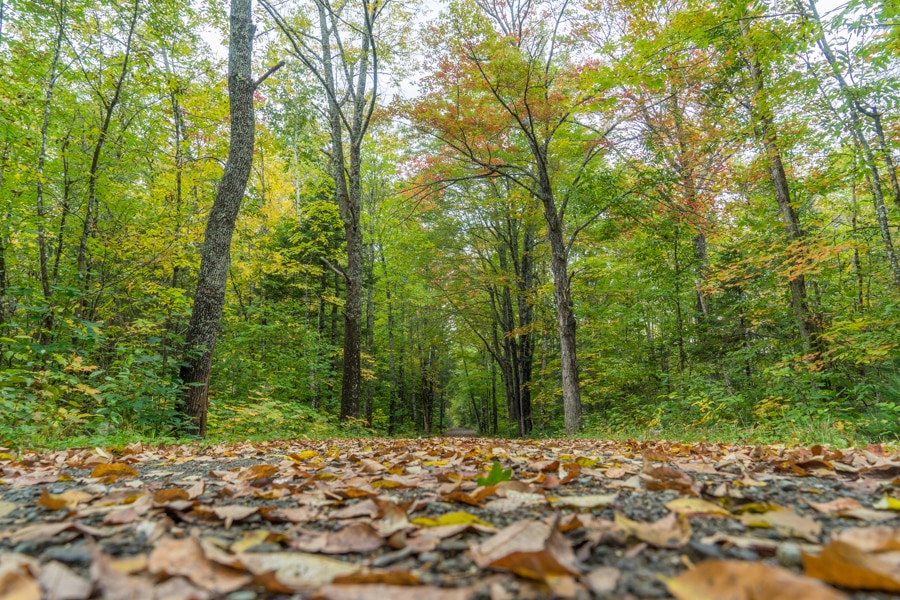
(72, 555)
(265, 547)
(430, 557)
(789, 555)
(453, 545)
(242, 595)
(743, 554)
(391, 557)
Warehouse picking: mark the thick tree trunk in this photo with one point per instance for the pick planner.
(209, 298)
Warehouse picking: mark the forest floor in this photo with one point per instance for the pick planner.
(450, 518)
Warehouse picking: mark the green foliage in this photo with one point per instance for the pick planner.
(496, 475)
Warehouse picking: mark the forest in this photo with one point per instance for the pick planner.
(287, 218)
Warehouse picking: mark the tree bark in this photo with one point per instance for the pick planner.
(806, 324)
(559, 268)
(109, 108)
(209, 298)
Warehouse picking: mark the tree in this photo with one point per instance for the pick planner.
(209, 299)
(510, 98)
(345, 66)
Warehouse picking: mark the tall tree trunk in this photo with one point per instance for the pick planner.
(806, 325)
(855, 109)
(109, 108)
(42, 157)
(215, 256)
(559, 268)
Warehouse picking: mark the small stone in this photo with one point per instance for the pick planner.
(743, 554)
(453, 546)
(265, 547)
(70, 555)
(242, 595)
(430, 557)
(789, 555)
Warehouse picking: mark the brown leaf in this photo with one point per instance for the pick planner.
(787, 523)
(287, 515)
(696, 507)
(186, 557)
(392, 592)
(62, 583)
(738, 580)
(115, 585)
(846, 565)
(179, 588)
(234, 512)
(602, 580)
(672, 531)
(586, 502)
(255, 472)
(667, 477)
(871, 539)
(358, 537)
(167, 495)
(294, 571)
(836, 505)
(372, 467)
(365, 508)
(531, 549)
(114, 471)
(17, 580)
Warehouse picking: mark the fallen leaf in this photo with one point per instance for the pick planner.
(514, 501)
(886, 503)
(585, 502)
(393, 592)
(372, 466)
(186, 557)
(848, 566)
(115, 585)
(451, 518)
(837, 505)
(167, 495)
(255, 472)
(531, 549)
(739, 580)
(358, 537)
(666, 477)
(672, 531)
(365, 508)
(787, 523)
(6, 508)
(294, 571)
(696, 507)
(602, 580)
(234, 512)
(114, 470)
(17, 581)
(179, 588)
(870, 539)
(62, 583)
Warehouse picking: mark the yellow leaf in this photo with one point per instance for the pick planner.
(453, 518)
(888, 503)
(115, 470)
(696, 506)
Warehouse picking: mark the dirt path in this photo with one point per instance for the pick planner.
(450, 518)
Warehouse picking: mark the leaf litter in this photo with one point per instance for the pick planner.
(450, 518)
